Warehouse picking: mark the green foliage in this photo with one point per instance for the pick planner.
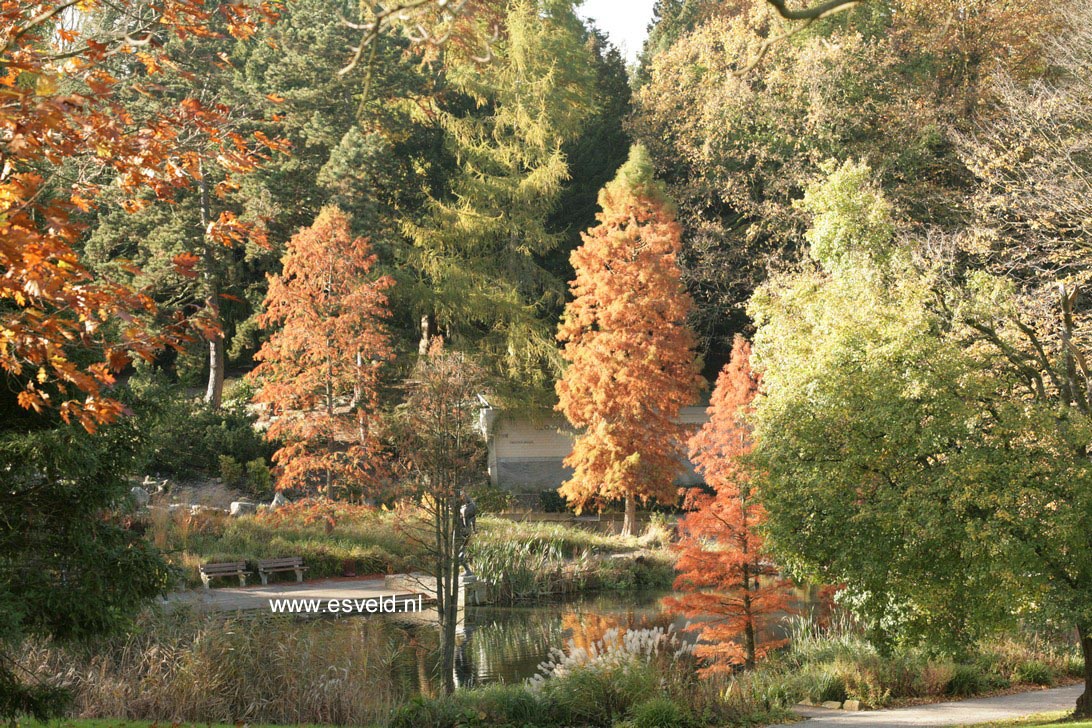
(598, 696)
(658, 713)
(967, 680)
(181, 436)
(232, 471)
(259, 479)
(901, 461)
(552, 502)
(477, 252)
(851, 218)
(69, 569)
(1034, 672)
(505, 706)
(491, 499)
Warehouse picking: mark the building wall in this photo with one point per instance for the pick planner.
(525, 456)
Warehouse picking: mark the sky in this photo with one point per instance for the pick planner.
(625, 21)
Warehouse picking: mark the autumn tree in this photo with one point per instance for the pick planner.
(631, 364)
(65, 333)
(723, 566)
(888, 81)
(320, 368)
(442, 452)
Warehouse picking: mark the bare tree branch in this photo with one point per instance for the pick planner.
(808, 15)
(815, 12)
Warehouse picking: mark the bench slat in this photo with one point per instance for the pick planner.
(230, 568)
(284, 563)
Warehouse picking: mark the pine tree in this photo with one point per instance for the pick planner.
(722, 565)
(477, 254)
(319, 369)
(630, 354)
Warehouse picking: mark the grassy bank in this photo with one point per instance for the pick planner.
(524, 560)
(270, 669)
(838, 664)
(185, 668)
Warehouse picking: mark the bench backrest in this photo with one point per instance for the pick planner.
(286, 561)
(228, 567)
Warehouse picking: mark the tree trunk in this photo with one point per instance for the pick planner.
(749, 630)
(428, 332)
(629, 525)
(451, 601)
(1084, 703)
(214, 393)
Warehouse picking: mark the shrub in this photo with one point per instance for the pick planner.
(935, 678)
(658, 713)
(598, 695)
(601, 684)
(491, 499)
(552, 502)
(232, 472)
(259, 481)
(504, 706)
(1034, 672)
(967, 680)
(181, 436)
(830, 686)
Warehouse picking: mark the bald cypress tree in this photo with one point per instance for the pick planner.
(630, 353)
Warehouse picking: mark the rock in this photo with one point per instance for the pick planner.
(832, 705)
(173, 507)
(278, 501)
(851, 705)
(140, 496)
(243, 508)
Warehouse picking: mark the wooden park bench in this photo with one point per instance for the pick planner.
(228, 568)
(286, 563)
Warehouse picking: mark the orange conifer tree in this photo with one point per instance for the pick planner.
(630, 353)
(721, 562)
(320, 369)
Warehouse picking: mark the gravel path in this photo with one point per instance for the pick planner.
(963, 712)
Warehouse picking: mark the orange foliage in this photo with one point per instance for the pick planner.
(320, 368)
(721, 562)
(56, 107)
(311, 511)
(631, 360)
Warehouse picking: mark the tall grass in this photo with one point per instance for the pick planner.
(838, 663)
(183, 667)
(531, 560)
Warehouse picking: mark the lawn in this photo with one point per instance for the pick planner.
(1043, 720)
(118, 723)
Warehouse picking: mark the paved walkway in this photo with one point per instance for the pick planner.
(231, 599)
(963, 712)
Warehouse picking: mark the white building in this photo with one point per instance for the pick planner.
(526, 454)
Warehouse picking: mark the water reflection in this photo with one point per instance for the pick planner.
(505, 645)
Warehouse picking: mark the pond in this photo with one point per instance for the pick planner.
(507, 644)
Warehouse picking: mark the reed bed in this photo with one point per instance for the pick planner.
(209, 669)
